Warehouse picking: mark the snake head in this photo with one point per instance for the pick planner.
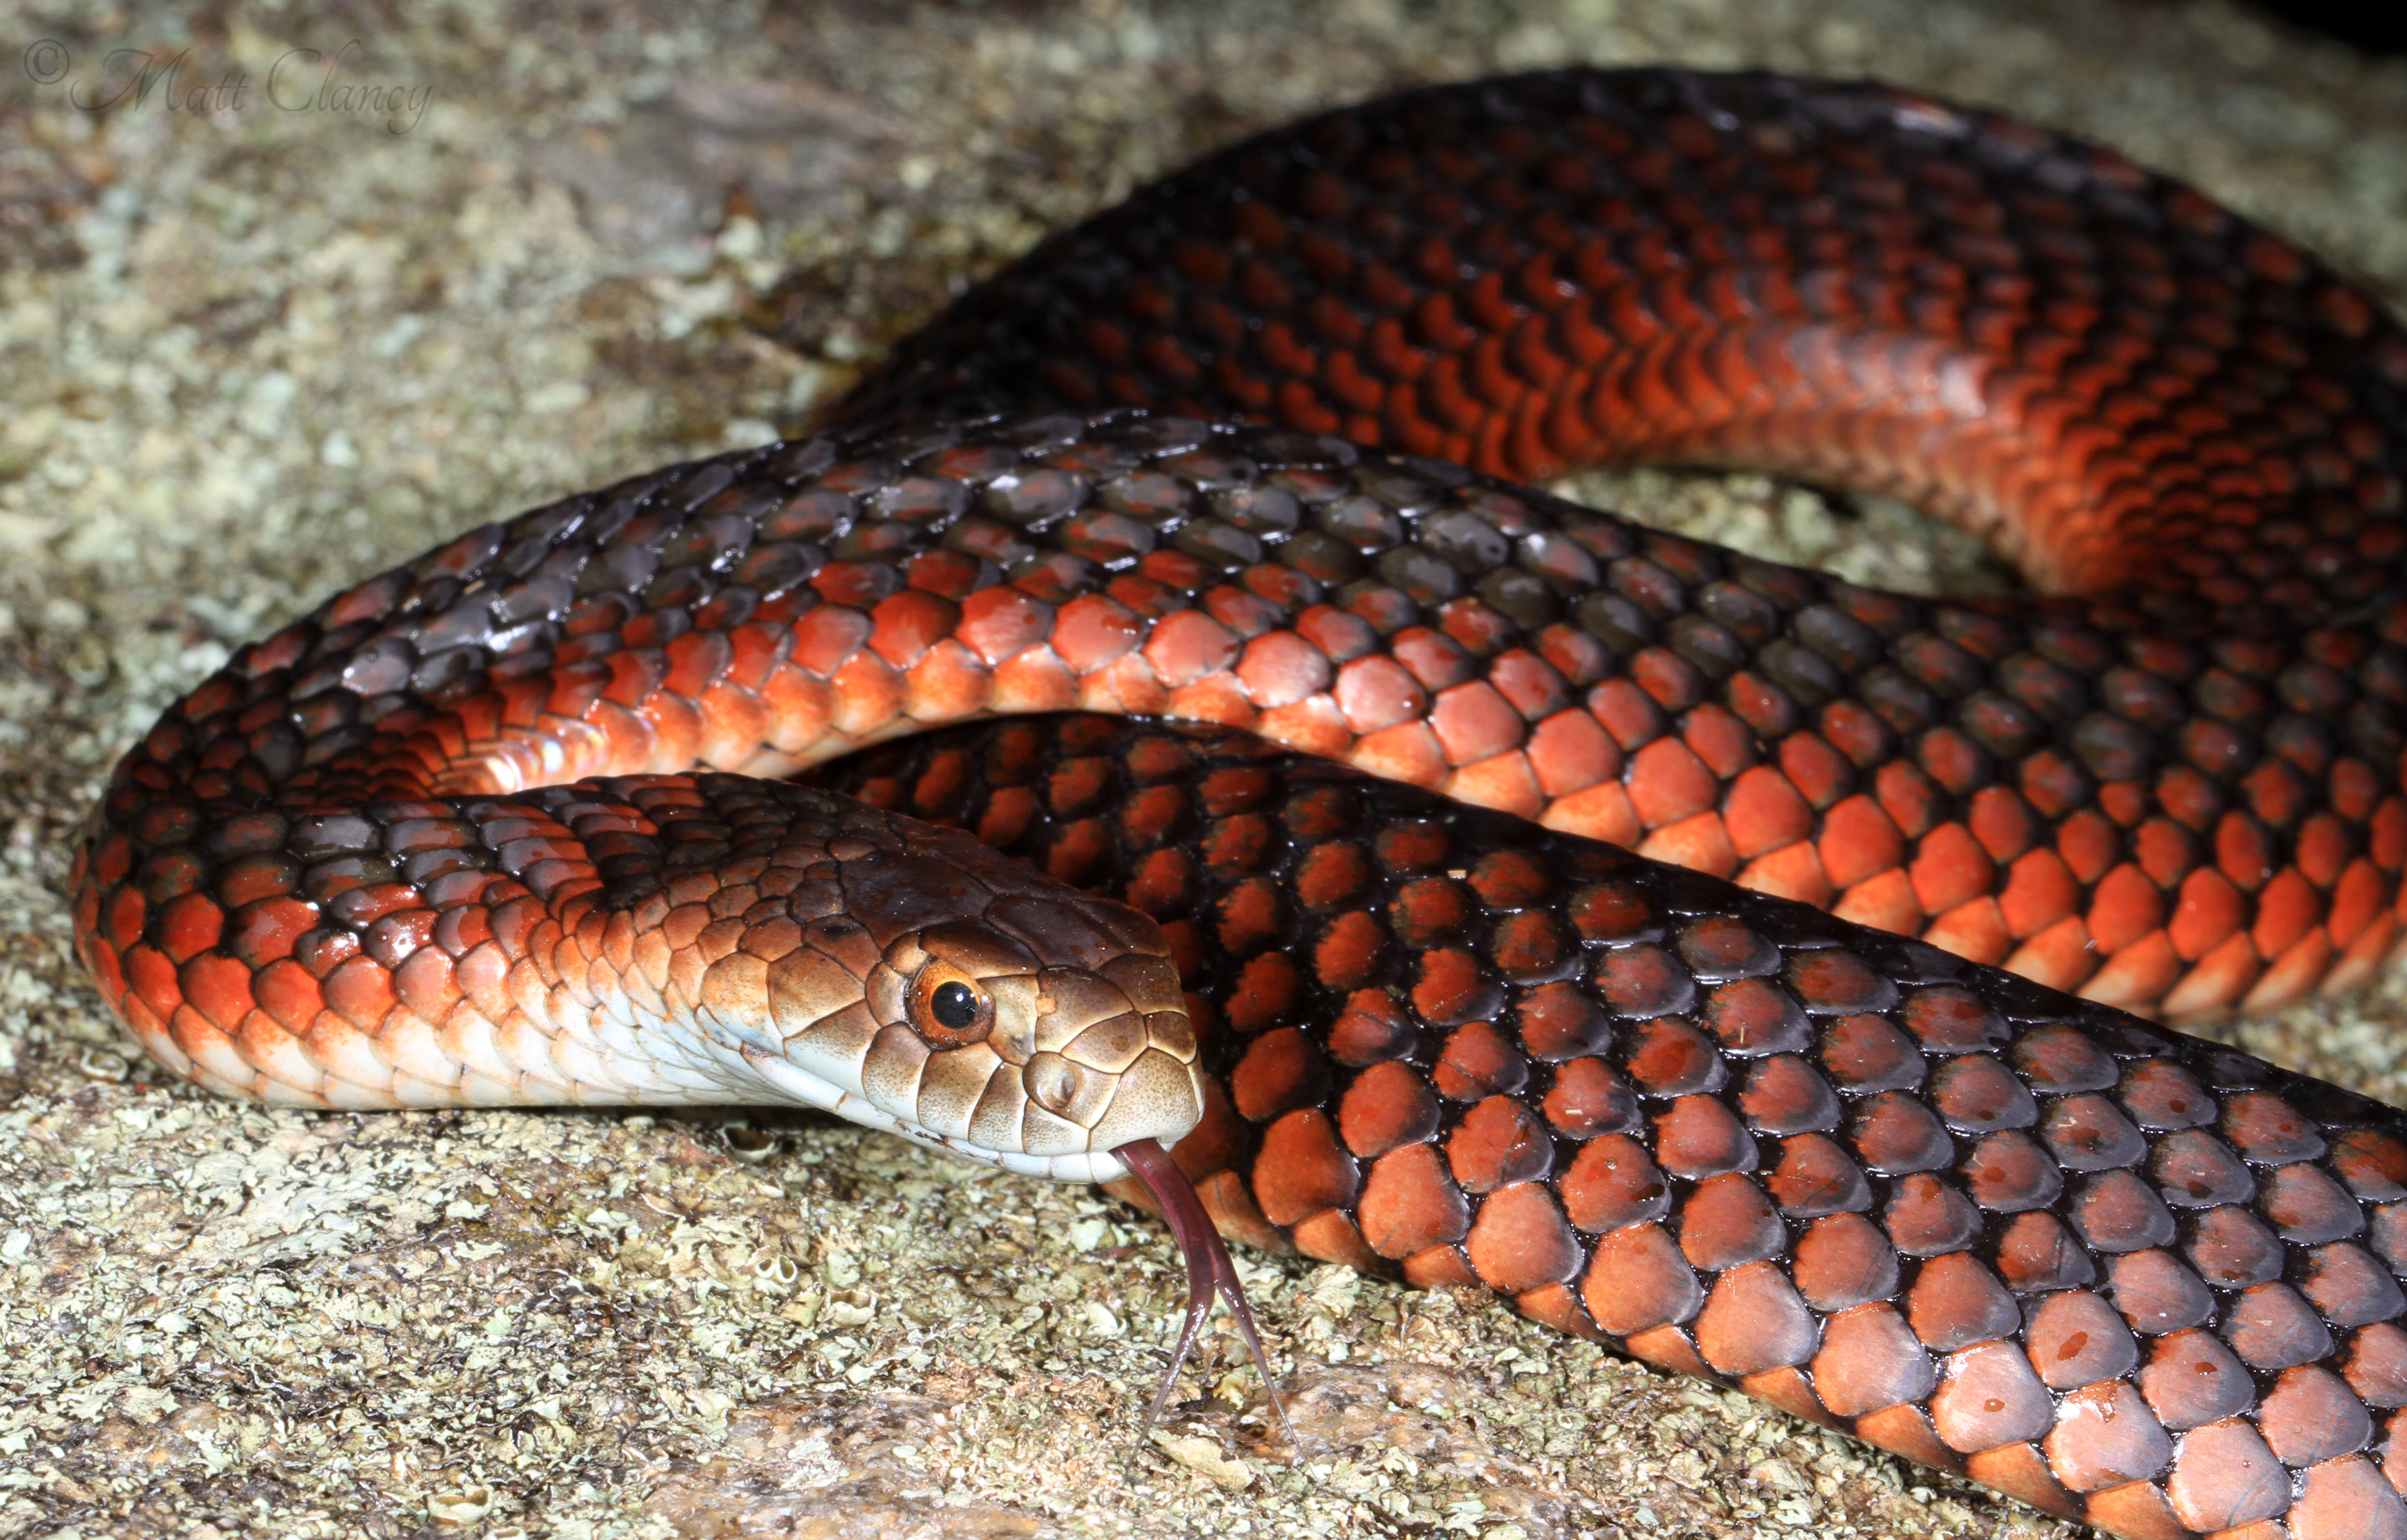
(958, 999)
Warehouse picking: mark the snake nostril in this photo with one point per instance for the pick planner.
(1054, 1083)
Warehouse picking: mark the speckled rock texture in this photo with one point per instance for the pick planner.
(285, 299)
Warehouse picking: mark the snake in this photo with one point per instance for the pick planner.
(1273, 807)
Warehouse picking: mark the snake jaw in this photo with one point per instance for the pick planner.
(1210, 1271)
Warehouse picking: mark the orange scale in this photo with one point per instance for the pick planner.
(755, 652)
(1636, 1282)
(1349, 953)
(1473, 722)
(2217, 981)
(2002, 821)
(1859, 842)
(1697, 1136)
(1092, 630)
(828, 637)
(187, 924)
(2057, 956)
(1975, 929)
(2138, 973)
(867, 694)
(1884, 902)
(2360, 895)
(1925, 1216)
(2039, 892)
(1328, 1236)
(2137, 1509)
(1519, 1241)
(2363, 958)
(1498, 1144)
(627, 736)
(1377, 692)
(1700, 844)
(2020, 1471)
(1794, 871)
(2207, 912)
(1188, 645)
(1218, 698)
(1389, 1104)
(1123, 685)
(1726, 1222)
(1764, 812)
(1530, 682)
(158, 1038)
(220, 989)
(1603, 811)
(1557, 1306)
(1720, 738)
(1313, 725)
(2288, 911)
(1234, 1214)
(1668, 782)
(1869, 1360)
(1408, 752)
(948, 683)
(1439, 1267)
(347, 1054)
(1280, 667)
(2224, 1477)
(1002, 622)
(734, 723)
(1905, 1430)
(2386, 834)
(151, 978)
(1300, 1169)
(1668, 1348)
(2128, 905)
(1818, 771)
(128, 913)
(1909, 797)
(696, 661)
(1754, 1321)
(1035, 680)
(1435, 658)
(1626, 711)
(1843, 1260)
(2347, 1498)
(1949, 867)
(1788, 1390)
(2323, 849)
(1504, 781)
(479, 717)
(1410, 1203)
(2089, 844)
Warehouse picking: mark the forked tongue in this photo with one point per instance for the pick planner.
(1209, 1271)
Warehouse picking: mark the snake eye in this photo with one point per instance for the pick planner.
(948, 1008)
(954, 1005)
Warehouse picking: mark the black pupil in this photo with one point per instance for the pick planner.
(954, 1006)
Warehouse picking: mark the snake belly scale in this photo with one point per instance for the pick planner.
(1721, 961)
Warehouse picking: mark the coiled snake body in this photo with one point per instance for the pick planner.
(1816, 1116)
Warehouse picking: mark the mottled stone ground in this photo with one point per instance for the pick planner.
(258, 342)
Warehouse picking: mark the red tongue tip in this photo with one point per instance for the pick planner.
(1209, 1271)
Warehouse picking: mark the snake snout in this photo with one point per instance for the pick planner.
(1037, 1030)
(1016, 1049)
(945, 994)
